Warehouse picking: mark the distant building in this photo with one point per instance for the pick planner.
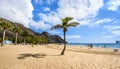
(7, 42)
(117, 41)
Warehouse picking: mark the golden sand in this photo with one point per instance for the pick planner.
(48, 57)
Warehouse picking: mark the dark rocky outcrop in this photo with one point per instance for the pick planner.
(52, 38)
(118, 42)
(11, 34)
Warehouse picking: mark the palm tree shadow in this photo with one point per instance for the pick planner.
(54, 55)
(25, 55)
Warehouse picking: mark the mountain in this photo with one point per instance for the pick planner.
(52, 38)
(11, 34)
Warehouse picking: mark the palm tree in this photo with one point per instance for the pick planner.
(44, 40)
(34, 40)
(16, 30)
(25, 34)
(65, 24)
(4, 25)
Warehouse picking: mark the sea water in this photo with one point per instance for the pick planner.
(101, 45)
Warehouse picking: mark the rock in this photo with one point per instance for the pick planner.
(52, 38)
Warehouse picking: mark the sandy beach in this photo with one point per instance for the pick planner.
(48, 57)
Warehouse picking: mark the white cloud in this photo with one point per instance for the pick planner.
(105, 20)
(116, 32)
(82, 11)
(40, 25)
(112, 27)
(100, 21)
(17, 11)
(41, 2)
(79, 9)
(50, 18)
(115, 27)
(113, 30)
(113, 5)
(50, 1)
(46, 9)
(84, 22)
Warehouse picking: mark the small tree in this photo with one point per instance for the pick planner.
(16, 30)
(25, 35)
(65, 24)
(34, 40)
(4, 25)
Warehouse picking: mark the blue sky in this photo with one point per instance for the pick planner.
(99, 19)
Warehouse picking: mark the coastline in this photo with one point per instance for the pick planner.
(85, 49)
(75, 57)
(98, 45)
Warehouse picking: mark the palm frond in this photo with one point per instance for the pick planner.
(5, 25)
(73, 24)
(66, 20)
(25, 33)
(17, 29)
(57, 26)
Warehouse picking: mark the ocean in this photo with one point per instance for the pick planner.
(100, 45)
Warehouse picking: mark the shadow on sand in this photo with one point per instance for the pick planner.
(25, 55)
(37, 55)
(54, 55)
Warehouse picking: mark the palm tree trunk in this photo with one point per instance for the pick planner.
(3, 38)
(24, 41)
(16, 35)
(62, 53)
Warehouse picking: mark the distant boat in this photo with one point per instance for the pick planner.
(117, 42)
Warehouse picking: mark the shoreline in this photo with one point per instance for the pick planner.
(87, 49)
(98, 45)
